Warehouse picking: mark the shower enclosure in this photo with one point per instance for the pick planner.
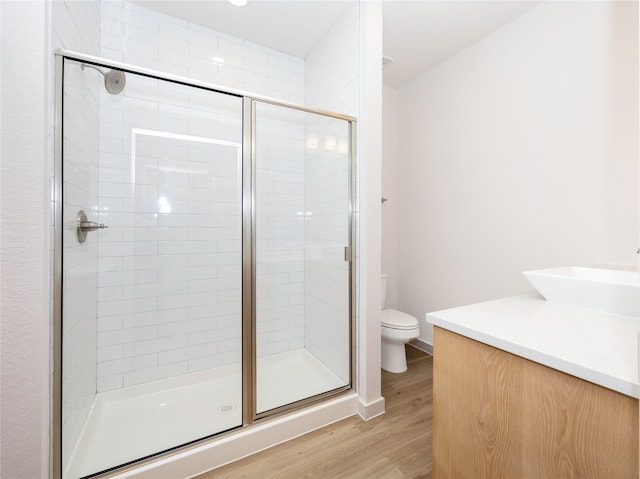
(203, 261)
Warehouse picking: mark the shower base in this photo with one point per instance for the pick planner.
(139, 421)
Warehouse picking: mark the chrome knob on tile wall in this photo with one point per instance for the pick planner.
(84, 226)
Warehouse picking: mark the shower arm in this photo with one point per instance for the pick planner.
(84, 65)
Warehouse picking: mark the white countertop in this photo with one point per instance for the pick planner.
(599, 347)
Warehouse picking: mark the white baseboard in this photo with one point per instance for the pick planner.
(422, 346)
(226, 449)
(372, 409)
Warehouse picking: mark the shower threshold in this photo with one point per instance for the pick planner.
(135, 422)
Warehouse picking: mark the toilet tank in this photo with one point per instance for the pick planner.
(383, 291)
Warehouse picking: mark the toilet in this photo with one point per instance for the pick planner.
(398, 328)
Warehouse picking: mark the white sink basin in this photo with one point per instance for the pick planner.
(613, 291)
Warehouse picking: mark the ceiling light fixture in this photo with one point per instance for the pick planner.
(238, 3)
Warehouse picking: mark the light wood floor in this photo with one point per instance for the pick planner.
(396, 445)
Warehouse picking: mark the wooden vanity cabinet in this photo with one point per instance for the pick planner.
(498, 415)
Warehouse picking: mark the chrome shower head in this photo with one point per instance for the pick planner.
(114, 80)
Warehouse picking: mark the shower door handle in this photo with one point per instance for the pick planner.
(84, 226)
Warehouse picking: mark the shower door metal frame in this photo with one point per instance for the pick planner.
(56, 196)
(251, 117)
(249, 414)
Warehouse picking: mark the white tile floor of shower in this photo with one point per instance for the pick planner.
(135, 422)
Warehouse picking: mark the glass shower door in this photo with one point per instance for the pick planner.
(152, 273)
(302, 227)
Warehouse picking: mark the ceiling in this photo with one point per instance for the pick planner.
(289, 26)
(418, 34)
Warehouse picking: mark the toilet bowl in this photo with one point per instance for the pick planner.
(397, 329)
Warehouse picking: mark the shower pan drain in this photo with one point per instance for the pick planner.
(227, 408)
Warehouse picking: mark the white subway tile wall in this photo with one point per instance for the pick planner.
(169, 284)
(168, 291)
(280, 229)
(136, 35)
(76, 27)
(326, 273)
(332, 68)
(331, 83)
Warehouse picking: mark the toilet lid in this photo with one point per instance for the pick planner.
(397, 319)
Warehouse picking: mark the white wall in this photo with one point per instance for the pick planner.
(368, 209)
(520, 153)
(390, 192)
(25, 238)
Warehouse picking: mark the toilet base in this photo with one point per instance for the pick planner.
(394, 357)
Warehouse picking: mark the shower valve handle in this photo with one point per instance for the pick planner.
(91, 226)
(83, 226)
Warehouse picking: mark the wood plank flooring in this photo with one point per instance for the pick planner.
(396, 445)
